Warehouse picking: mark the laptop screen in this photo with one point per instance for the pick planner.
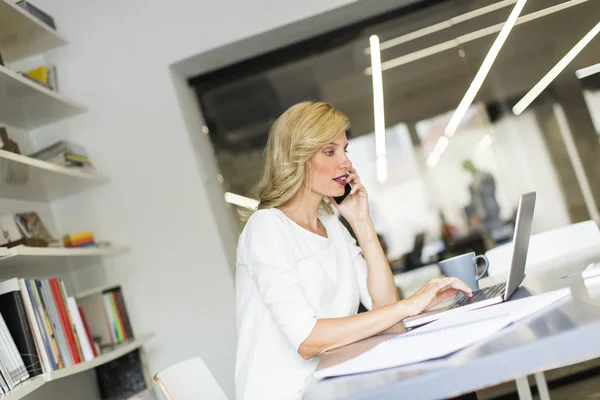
(520, 243)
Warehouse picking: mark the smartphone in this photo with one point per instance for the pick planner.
(341, 198)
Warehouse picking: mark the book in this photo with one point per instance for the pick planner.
(86, 346)
(13, 310)
(59, 332)
(45, 324)
(65, 319)
(42, 345)
(31, 226)
(111, 323)
(86, 327)
(19, 370)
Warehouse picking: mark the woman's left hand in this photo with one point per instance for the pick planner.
(355, 207)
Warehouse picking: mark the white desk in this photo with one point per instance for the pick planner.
(566, 335)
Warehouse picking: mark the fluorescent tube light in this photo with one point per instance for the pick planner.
(382, 171)
(469, 37)
(587, 71)
(241, 201)
(378, 109)
(553, 73)
(484, 69)
(442, 25)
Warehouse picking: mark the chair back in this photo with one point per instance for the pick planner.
(577, 242)
(189, 380)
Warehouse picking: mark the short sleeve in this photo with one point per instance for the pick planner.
(271, 265)
(360, 267)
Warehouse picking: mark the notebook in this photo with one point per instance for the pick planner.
(445, 336)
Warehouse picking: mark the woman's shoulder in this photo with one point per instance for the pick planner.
(268, 218)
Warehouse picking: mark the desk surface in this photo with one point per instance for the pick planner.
(565, 335)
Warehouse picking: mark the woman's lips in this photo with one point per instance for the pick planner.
(341, 180)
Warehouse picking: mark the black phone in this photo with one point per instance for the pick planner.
(341, 198)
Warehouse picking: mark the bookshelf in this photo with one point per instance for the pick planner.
(21, 35)
(28, 105)
(21, 256)
(119, 351)
(30, 385)
(92, 291)
(39, 180)
(25, 388)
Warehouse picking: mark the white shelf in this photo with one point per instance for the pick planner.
(27, 261)
(23, 35)
(95, 290)
(119, 351)
(24, 388)
(26, 104)
(27, 178)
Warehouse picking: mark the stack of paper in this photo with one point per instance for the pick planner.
(443, 337)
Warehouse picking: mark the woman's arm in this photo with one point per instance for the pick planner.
(331, 333)
(380, 281)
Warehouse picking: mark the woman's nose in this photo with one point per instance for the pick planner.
(347, 164)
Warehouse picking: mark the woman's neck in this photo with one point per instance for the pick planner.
(303, 209)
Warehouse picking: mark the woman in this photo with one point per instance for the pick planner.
(300, 275)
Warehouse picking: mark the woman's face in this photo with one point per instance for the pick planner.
(330, 168)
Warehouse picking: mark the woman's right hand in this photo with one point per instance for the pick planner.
(434, 292)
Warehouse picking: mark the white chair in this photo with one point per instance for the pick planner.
(189, 380)
(578, 243)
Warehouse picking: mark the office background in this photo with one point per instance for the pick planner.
(135, 65)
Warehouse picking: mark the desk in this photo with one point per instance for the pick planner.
(565, 335)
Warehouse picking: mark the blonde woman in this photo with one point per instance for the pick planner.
(300, 275)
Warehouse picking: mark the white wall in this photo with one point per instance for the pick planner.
(176, 280)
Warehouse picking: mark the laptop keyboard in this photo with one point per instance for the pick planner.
(481, 294)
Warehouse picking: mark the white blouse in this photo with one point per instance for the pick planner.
(288, 277)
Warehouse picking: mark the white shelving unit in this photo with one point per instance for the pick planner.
(119, 351)
(22, 35)
(21, 256)
(26, 104)
(24, 388)
(95, 290)
(32, 384)
(27, 178)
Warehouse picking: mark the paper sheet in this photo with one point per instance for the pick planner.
(443, 336)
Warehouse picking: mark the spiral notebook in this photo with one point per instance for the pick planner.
(442, 337)
(425, 343)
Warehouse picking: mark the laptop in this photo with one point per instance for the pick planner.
(501, 292)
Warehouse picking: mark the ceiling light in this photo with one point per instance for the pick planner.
(587, 71)
(378, 109)
(469, 37)
(382, 172)
(433, 159)
(241, 201)
(553, 73)
(442, 25)
(484, 69)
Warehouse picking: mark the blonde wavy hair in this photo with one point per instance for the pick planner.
(293, 139)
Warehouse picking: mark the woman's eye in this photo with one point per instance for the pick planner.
(328, 153)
